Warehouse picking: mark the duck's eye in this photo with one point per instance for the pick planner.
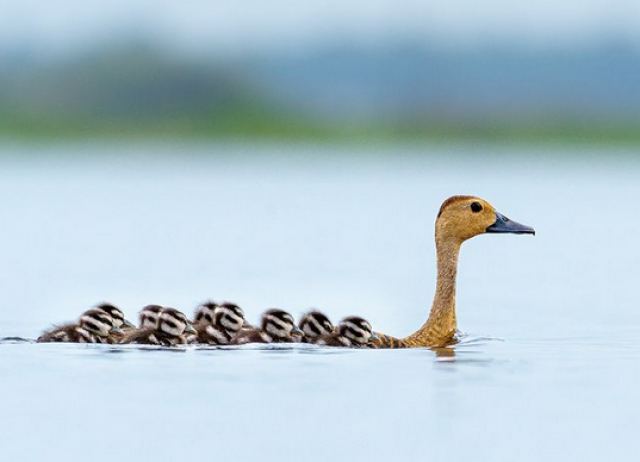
(476, 207)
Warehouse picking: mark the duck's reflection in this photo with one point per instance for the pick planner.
(444, 353)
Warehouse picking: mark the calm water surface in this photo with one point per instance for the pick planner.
(549, 368)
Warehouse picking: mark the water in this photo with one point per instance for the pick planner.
(548, 369)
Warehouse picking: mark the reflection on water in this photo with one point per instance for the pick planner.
(549, 368)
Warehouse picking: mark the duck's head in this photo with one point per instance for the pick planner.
(315, 324)
(98, 323)
(463, 217)
(174, 323)
(229, 316)
(357, 330)
(204, 312)
(116, 313)
(149, 316)
(279, 324)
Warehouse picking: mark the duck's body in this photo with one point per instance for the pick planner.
(67, 333)
(94, 326)
(351, 332)
(460, 218)
(173, 328)
(152, 336)
(277, 326)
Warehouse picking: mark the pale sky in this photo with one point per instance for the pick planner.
(233, 24)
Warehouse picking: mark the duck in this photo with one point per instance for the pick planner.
(314, 325)
(149, 316)
(173, 328)
(459, 219)
(119, 320)
(218, 324)
(276, 326)
(116, 314)
(93, 326)
(204, 312)
(351, 332)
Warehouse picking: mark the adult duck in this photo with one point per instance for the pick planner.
(460, 218)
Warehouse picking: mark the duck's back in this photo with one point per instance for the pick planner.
(67, 333)
(146, 336)
(330, 340)
(250, 336)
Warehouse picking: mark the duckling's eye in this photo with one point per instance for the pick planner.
(476, 207)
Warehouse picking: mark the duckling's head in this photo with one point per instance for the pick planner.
(98, 323)
(229, 316)
(204, 312)
(174, 323)
(150, 316)
(279, 324)
(463, 217)
(356, 329)
(315, 324)
(116, 313)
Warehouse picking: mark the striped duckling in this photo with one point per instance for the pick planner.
(314, 325)
(118, 320)
(276, 326)
(173, 328)
(218, 324)
(352, 332)
(149, 316)
(94, 326)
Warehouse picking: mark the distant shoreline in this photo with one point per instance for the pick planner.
(291, 129)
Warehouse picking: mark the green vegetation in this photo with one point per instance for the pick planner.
(261, 124)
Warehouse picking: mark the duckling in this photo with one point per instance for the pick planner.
(149, 316)
(172, 329)
(276, 326)
(117, 315)
(94, 326)
(118, 320)
(460, 218)
(353, 331)
(204, 312)
(314, 325)
(218, 326)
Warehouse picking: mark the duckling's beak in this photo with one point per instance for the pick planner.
(504, 225)
(374, 337)
(247, 325)
(116, 331)
(190, 329)
(296, 331)
(128, 324)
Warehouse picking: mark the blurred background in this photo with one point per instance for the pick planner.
(359, 70)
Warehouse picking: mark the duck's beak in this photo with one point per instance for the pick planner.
(296, 331)
(128, 324)
(504, 225)
(190, 329)
(116, 331)
(374, 337)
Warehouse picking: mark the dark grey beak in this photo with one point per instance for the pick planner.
(504, 225)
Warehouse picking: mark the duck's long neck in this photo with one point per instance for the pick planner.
(441, 325)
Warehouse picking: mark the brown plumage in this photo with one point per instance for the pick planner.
(460, 218)
(94, 326)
